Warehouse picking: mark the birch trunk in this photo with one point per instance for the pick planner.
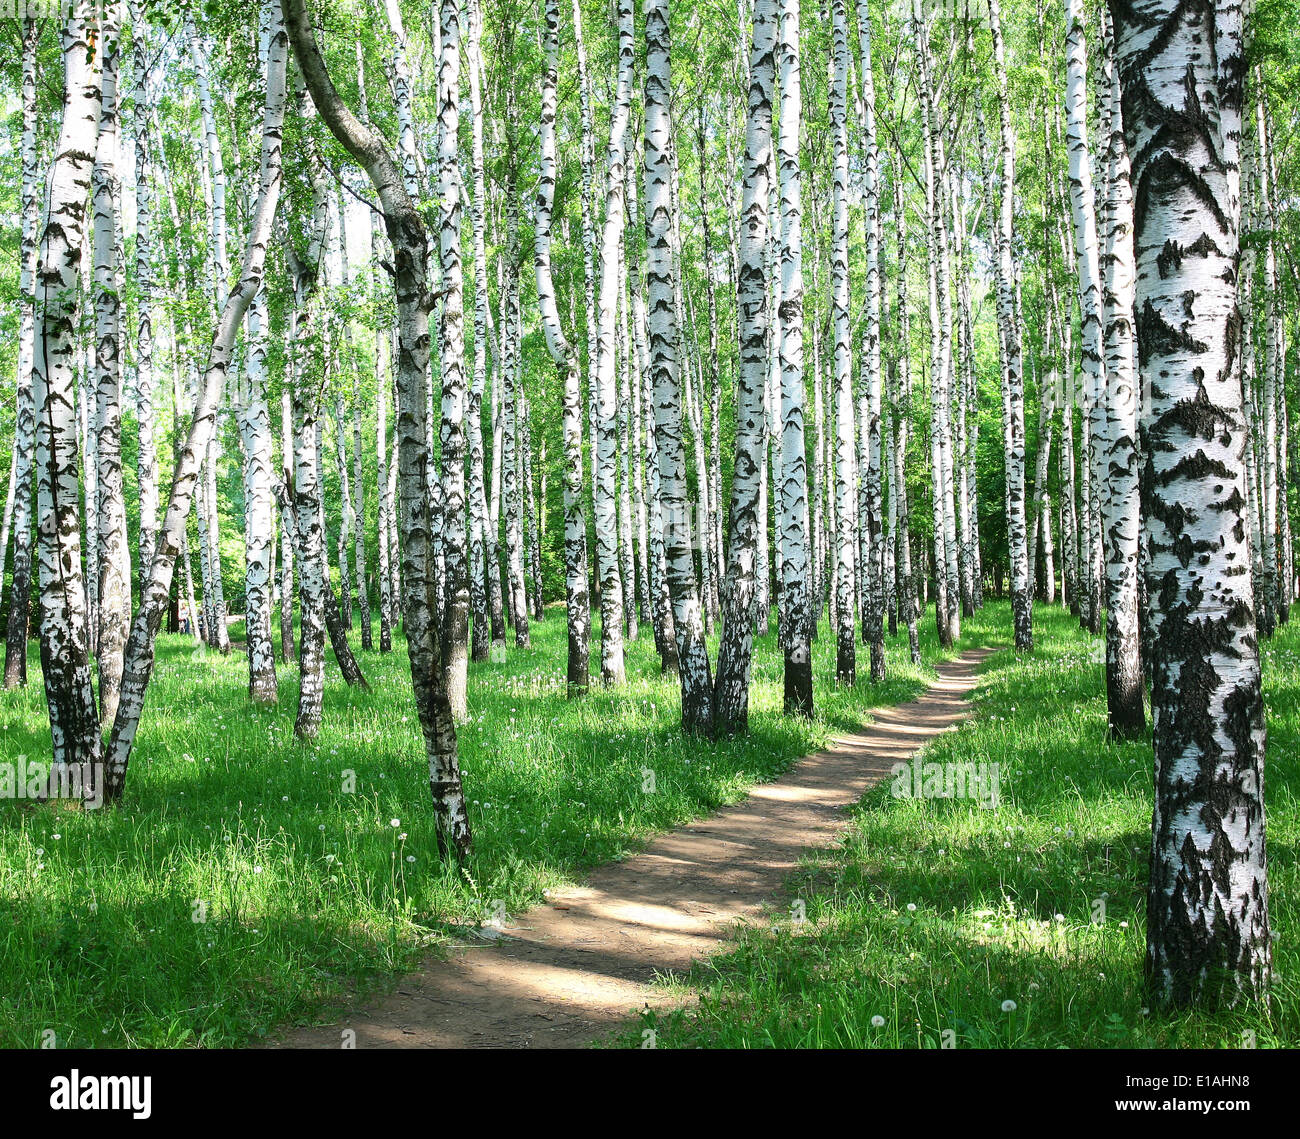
(940, 329)
(1022, 595)
(1122, 513)
(793, 489)
(1207, 903)
(114, 552)
(20, 486)
(146, 460)
(455, 648)
(674, 523)
(903, 422)
(259, 512)
(731, 691)
(65, 658)
(612, 669)
(577, 604)
(288, 652)
(874, 609)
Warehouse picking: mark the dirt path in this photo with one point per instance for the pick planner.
(568, 972)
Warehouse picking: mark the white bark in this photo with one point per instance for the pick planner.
(1207, 904)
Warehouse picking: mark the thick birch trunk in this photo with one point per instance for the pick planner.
(65, 657)
(1207, 903)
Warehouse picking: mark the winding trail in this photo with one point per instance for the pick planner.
(569, 972)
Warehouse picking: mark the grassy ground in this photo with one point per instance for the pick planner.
(934, 914)
(248, 880)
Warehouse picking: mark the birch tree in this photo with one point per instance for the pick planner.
(1122, 507)
(845, 505)
(612, 668)
(731, 687)
(678, 534)
(1207, 902)
(1022, 596)
(20, 485)
(793, 498)
(65, 656)
(873, 610)
(577, 606)
(455, 648)
(114, 552)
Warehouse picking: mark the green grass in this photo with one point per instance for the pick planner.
(933, 913)
(312, 894)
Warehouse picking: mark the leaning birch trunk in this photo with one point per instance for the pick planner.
(675, 516)
(24, 417)
(612, 668)
(153, 605)
(1122, 507)
(406, 232)
(1207, 903)
(114, 551)
(731, 688)
(65, 657)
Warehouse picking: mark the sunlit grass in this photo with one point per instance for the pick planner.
(313, 869)
(935, 913)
